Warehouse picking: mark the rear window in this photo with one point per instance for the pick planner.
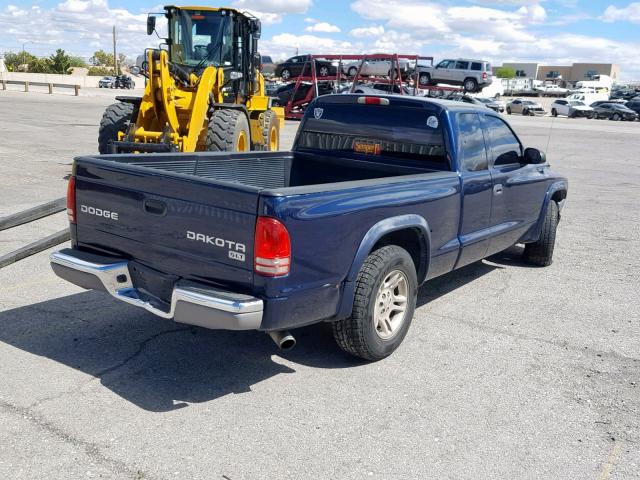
(476, 66)
(375, 131)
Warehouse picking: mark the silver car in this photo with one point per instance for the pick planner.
(525, 107)
(473, 75)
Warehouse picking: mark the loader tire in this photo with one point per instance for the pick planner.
(271, 131)
(228, 131)
(116, 118)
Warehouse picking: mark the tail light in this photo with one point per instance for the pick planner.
(484, 75)
(272, 249)
(71, 200)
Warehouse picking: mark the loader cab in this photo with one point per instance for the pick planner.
(221, 37)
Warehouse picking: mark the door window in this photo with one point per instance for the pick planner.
(476, 66)
(504, 144)
(444, 64)
(473, 152)
(462, 65)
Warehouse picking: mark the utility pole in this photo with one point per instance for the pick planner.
(115, 56)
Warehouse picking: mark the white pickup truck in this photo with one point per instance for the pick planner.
(550, 90)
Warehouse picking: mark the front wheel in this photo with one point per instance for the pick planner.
(228, 131)
(424, 79)
(616, 117)
(324, 71)
(509, 110)
(540, 252)
(594, 115)
(116, 118)
(525, 112)
(285, 74)
(554, 112)
(383, 306)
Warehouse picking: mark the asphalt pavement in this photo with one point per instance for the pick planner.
(508, 371)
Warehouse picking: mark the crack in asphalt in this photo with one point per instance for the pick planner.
(106, 371)
(91, 449)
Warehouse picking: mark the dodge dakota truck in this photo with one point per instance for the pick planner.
(378, 195)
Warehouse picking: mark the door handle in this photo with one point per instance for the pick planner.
(154, 207)
(497, 189)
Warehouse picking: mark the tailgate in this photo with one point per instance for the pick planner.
(180, 225)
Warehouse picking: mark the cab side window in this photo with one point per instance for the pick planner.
(472, 149)
(505, 146)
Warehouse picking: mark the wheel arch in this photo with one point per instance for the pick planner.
(557, 192)
(410, 232)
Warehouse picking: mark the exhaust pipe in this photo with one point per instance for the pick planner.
(283, 339)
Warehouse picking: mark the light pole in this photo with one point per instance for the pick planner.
(23, 51)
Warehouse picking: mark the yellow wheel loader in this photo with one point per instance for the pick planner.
(204, 90)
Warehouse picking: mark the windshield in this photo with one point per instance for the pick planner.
(484, 100)
(201, 38)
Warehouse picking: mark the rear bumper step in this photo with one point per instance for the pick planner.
(191, 303)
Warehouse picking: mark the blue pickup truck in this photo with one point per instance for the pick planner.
(378, 195)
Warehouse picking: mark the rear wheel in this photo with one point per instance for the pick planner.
(540, 252)
(285, 74)
(424, 79)
(352, 71)
(228, 131)
(525, 111)
(595, 115)
(323, 71)
(509, 110)
(470, 85)
(271, 131)
(616, 117)
(384, 302)
(554, 112)
(116, 118)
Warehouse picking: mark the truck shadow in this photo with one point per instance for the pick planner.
(160, 365)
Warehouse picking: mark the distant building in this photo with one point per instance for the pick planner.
(564, 74)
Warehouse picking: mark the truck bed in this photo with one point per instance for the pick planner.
(267, 170)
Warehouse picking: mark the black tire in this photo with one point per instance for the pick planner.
(594, 115)
(352, 71)
(470, 85)
(616, 117)
(554, 112)
(357, 334)
(116, 118)
(424, 79)
(509, 110)
(271, 127)
(226, 126)
(525, 111)
(323, 71)
(540, 252)
(285, 74)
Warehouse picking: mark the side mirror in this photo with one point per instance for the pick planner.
(533, 156)
(151, 24)
(135, 70)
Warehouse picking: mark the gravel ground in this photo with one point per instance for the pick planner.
(507, 371)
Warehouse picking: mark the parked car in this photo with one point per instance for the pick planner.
(614, 111)
(525, 107)
(473, 75)
(551, 91)
(570, 108)
(124, 81)
(493, 103)
(267, 67)
(293, 67)
(283, 94)
(375, 67)
(378, 195)
(382, 88)
(602, 102)
(107, 82)
(633, 105)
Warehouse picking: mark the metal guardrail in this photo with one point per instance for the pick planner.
(30, 215)
(51, 86)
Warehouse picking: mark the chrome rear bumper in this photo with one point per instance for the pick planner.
(191, 303)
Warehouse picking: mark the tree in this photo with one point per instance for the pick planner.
(77, 61)
(505, 72)
(41, 65)
(102, 59)
(16, 61)
(60, 62)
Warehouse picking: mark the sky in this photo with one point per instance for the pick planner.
(553, 32)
